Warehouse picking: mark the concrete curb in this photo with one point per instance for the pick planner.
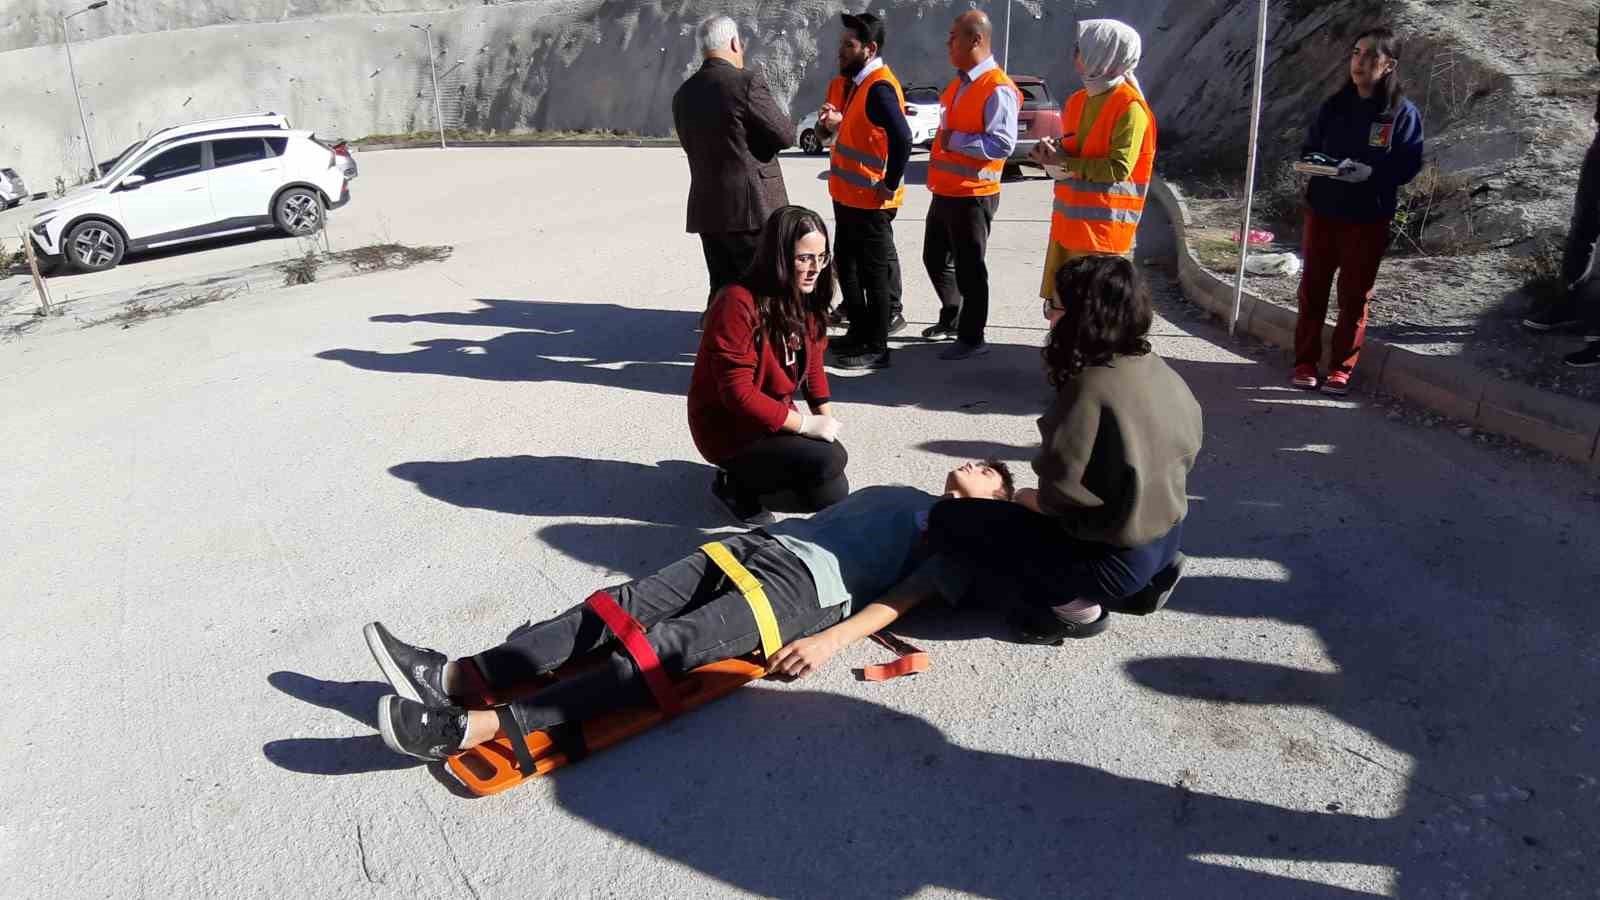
(609, 142)
(1564, 426)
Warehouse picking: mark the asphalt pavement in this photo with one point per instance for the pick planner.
(1379, 677)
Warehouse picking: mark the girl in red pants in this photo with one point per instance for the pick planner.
(1376, 133)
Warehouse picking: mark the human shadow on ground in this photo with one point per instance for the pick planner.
(858, 800)
(335, 756)
(1454, 614)
(653, 350)
(665, 506)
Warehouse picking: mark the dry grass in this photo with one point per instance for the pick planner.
(1540, 271)
(1420, 202)
(139, 311)
(390, 255)
(301, 269)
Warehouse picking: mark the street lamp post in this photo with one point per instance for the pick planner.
(72, 72)
(438, 117)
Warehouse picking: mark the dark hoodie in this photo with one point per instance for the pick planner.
(1349, 127)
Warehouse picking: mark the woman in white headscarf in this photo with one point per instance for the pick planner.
(1105, 158)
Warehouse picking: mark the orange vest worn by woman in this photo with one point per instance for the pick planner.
(1102, 217)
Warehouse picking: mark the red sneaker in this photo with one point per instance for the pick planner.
(1305, 378)
(1337, 384)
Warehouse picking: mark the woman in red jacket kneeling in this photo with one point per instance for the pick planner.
(764, 341)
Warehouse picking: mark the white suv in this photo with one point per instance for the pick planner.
(173, 188)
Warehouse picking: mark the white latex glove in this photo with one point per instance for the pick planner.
(1353, 172)
(819, 427)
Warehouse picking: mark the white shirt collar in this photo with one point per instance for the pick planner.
(977, 71)
(868, 69)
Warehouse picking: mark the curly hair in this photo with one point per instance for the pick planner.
(1008, 484)
(1106, 314)
(771, 280)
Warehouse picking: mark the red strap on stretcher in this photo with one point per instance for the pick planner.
(910, 660)
(631, 635)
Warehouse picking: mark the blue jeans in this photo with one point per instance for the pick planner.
(1024, 558)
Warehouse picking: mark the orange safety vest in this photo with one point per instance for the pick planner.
(861, 149)
(1102, 217)
(952, 174)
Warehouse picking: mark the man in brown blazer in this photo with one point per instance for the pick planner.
(732, 130)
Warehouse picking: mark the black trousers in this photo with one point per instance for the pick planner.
(1024, 558)
(1576, 262)
(868, 267)
(728, 255)
(692, 615)
(813, 470)
(953, 250)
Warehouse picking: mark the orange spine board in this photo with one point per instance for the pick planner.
(491, 767)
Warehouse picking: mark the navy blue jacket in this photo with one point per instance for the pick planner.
(1348, 127)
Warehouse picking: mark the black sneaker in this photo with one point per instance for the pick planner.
(748, 512)
(865, 358)
(1041, 626)
(1587, 358)
(939, 331)
(897, 324)
(963, 350)
(415, 730)
(1551, 317)
(838, 318)
(416, 673)
(844, 345)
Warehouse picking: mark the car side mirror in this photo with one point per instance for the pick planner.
(131, 183)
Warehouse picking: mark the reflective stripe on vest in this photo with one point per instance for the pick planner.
(952, 174)
(1098, 216)
(860, 156)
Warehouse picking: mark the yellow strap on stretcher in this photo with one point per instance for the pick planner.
(750, 587)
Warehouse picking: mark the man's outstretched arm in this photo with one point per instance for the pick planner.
(801, 657)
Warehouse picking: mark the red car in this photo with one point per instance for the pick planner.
(1039, 117)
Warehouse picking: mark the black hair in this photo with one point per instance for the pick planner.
(867, 28)
(1390, 88)
(783, 309)
(1008, 485)
(1107, 314)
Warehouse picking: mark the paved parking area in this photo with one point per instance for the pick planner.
(1380, 678)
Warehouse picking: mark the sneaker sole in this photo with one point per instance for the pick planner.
(1582, 365)
(1549, 326)
(386, 729)
(391, 670)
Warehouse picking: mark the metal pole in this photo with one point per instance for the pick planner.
(1005, 60)
(434, 72)
(83, 120)
(1250, 172)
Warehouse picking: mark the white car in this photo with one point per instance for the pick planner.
(175, 188)
(922, 114)
(12, 190)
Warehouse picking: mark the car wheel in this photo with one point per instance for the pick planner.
(810, 143)
(298, 212)
(94, 246)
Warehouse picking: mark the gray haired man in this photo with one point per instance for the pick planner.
(732, 130)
